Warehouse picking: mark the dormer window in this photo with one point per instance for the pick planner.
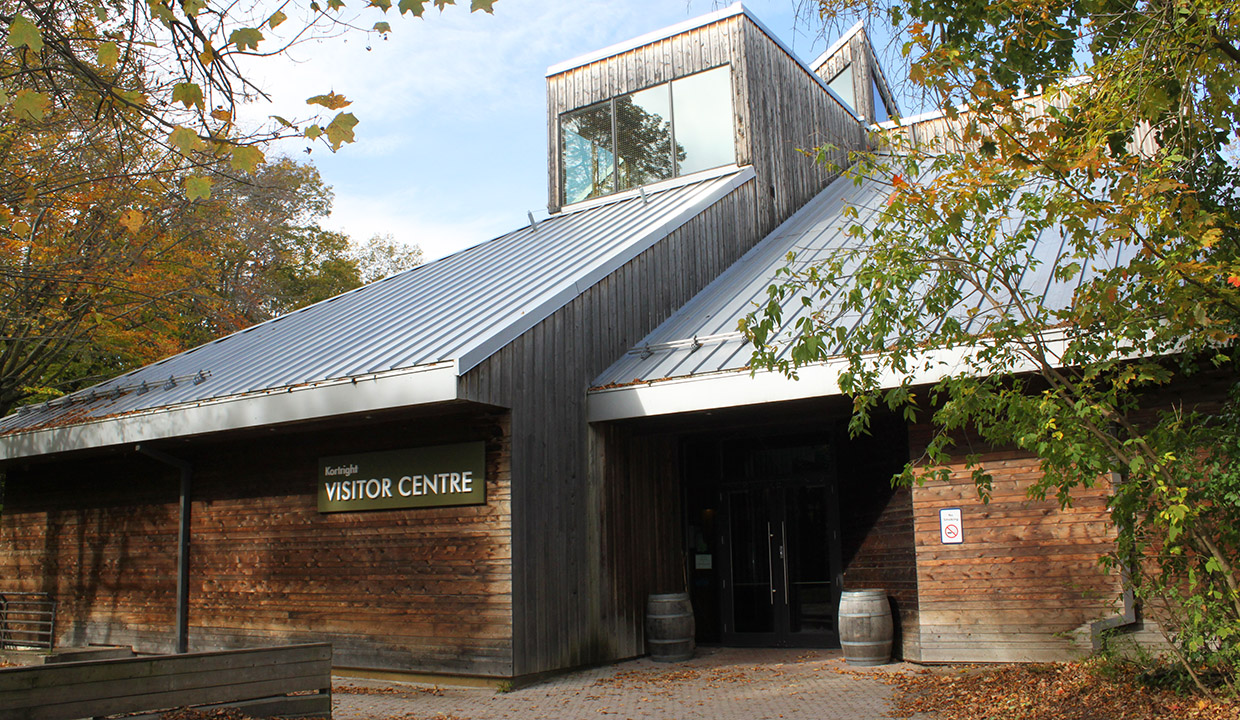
(654, 134)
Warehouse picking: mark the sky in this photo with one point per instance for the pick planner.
(451, 145)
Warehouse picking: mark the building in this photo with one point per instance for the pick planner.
(484, 465)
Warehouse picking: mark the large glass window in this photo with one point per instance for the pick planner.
(589, 160)
(842, 86)
(658, 133)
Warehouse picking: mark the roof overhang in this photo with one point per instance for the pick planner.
(433, 383)
(739, 388)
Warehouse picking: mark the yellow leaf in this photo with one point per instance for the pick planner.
(331, 101)
(246, 157)
(108, 55)
(132, 220)
(184, 140)
(197, 188)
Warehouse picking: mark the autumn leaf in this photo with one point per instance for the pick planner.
(193, 7)
(246, 157)
(131, 220)
(417, 7)
(441, 4)
(189, 94)
(222, 114)
(383, 5)
(184, 140)
(331, 101)
(314, 132)
(276, 18)
(1234, 281)
(108, 55)
(246, 37)
(484, 5)
(382, 27)
(23, 33)
(30, 105)
(197, 188)
(207, 56)
(340, 130)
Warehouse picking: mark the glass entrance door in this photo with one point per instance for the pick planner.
(781, 561)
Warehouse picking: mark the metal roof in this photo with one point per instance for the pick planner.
(702, 337)
(449, 314)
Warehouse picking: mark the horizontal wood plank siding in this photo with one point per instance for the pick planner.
(1025, 584)
(425, 589)
(559, 520)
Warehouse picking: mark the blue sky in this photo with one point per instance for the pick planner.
(452, 142)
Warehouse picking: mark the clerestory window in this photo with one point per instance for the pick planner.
(654, 134)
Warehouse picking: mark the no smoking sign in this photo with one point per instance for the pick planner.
(951, 529)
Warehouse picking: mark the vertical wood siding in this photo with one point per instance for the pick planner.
(558, 511)
(1025, 583)
(425, 589)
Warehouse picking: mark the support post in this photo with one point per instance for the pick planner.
(187, 474)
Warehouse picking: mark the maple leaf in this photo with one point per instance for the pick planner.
(108, 55)
(331, 101)
(1234, 281)
(23, 33)
(245, 37)
(417, 7)
(31, 105)
(340, 130)
(197, 188)
(483, 5)
(189, 94)
(276, 18)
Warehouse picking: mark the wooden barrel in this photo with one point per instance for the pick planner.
(865, 627)
(670, 628)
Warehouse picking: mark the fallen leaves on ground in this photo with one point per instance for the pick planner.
(1057, 691)
(666, 678)
(406, 691)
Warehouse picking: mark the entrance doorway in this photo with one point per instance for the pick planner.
(765, 524)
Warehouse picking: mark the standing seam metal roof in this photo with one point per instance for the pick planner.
(459, 309)
(702, 337)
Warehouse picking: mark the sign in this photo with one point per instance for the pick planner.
(951, 529)
(438, 476)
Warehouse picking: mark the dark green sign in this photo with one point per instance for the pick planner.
(418, 477)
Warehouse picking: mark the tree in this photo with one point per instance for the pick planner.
(383, 255)
(1130, 162)
(116, 119)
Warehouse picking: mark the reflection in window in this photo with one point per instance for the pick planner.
(589, 161)
(644, 137)
(658, 133)
(880, 106)
(702, 129)
(842, 86)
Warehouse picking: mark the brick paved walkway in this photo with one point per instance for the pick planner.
(719, 684)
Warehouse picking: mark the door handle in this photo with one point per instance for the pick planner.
(770, 564)
(783, 555)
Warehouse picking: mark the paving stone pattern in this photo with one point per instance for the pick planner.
(718, 684)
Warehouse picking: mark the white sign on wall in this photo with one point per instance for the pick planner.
(951, 529)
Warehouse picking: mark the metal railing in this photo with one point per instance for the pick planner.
(27, 620)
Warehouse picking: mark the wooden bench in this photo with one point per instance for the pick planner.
(258, 682)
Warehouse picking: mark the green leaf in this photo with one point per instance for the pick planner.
(483, 5)
(184, 140)
(101, 13)
(246, 37)
(441, 4)
(383, 27)
(417, 7)
(23, 33)
(197, 187)
(340, 130)
(108, 55)
(161, 12)
(246, 158)
(188, 94)
(331, 101)
(193, 7)
(276, 18)
(314, 132)
(383, 5)
(31, 105)
(335, 4)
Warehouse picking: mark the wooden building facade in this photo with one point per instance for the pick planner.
(519, 347)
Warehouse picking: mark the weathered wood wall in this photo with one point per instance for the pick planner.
(780, 109)
(420, 589)
(1025, 583)
(558, 518)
